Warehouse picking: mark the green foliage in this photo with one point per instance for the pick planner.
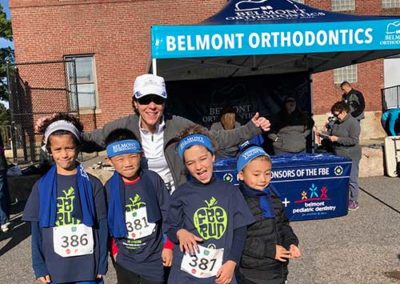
(4, 115)
(6, 56)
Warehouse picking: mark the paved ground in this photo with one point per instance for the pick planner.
(358, 248)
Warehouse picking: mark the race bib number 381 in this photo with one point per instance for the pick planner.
(137, 224)
(73, 240)
(204, 263)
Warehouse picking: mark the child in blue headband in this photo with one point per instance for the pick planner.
(270, 241)
(137, 204)
(67, 211)
(207, 218)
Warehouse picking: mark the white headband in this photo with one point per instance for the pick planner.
(61, 125)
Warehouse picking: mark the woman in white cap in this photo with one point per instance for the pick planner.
(156, 130)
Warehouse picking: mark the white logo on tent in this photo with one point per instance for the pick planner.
(246, 5)
(393, 28)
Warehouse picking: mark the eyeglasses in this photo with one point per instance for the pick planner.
(151, 98)
(336, 114)
(290, 101)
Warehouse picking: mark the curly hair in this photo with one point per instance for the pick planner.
(194, 129)
(41, 129)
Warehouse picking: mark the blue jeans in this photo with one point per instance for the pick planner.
(84, 282)
(4, 198)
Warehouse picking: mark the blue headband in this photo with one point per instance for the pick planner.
(129, 146)
(249, 154)
(194, 139)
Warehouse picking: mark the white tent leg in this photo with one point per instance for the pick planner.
(154, 66)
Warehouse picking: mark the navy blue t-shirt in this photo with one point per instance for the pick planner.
(210, 211)
(66, 269)
(143, 256)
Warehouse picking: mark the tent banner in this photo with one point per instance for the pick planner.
(310, 186)
(257, 39)
(202, 101)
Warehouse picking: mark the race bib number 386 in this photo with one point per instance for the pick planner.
(73, 240)
(204, 263)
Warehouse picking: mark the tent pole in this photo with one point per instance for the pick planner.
(313, 142)
(154, 66)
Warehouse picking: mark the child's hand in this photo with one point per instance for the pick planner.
(44, 279)
(99, 276)
(115, 257)
(282, 254)
(166, 256)
(225, 273)
(188, 241)
(294, 251)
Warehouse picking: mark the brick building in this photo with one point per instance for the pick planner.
(110, 40)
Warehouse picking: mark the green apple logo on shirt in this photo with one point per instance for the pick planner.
(65, 207)
(210, 221)
(136, 203)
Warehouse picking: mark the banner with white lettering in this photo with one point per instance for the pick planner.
(202, 100)
(310, 186)
(258, 39)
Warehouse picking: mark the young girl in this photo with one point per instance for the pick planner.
(207, 218)
(270, 240)
(67, 211)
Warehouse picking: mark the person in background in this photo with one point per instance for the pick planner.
(270, 241)
(344, 137)
(389, 120)
(290, 128)
(156, 130)
(227, 122)
(4, 193)
(354, 99)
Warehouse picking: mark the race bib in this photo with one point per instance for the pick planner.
(73, 240)
(203, 264)
(137, 225)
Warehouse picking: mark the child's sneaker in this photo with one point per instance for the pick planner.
(353, 205)
(5, 226)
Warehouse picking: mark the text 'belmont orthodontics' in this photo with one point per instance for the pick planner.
(269, 39)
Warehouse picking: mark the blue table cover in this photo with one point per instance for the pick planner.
(311, 186)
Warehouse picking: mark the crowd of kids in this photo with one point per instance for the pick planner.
(207, 231)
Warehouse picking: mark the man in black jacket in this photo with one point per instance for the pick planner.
(354, 99)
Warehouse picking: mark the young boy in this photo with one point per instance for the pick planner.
(137, 205)
(207, 218)
(67, 211)
(270, 241)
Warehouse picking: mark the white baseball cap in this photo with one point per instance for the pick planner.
(149, 84)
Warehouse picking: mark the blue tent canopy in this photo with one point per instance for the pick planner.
(253, 37)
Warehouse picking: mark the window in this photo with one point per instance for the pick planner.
(85, 82)
(348, 73)
(390, 4)
(343, 5)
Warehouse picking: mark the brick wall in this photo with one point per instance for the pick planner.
(117, 33)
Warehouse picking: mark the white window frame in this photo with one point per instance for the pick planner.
(343, 5)
(81, 82)
(389, 4)
(347, 73)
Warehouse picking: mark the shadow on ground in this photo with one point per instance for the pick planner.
(19, 230)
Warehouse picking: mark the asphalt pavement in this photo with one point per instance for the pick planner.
(362, 247)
